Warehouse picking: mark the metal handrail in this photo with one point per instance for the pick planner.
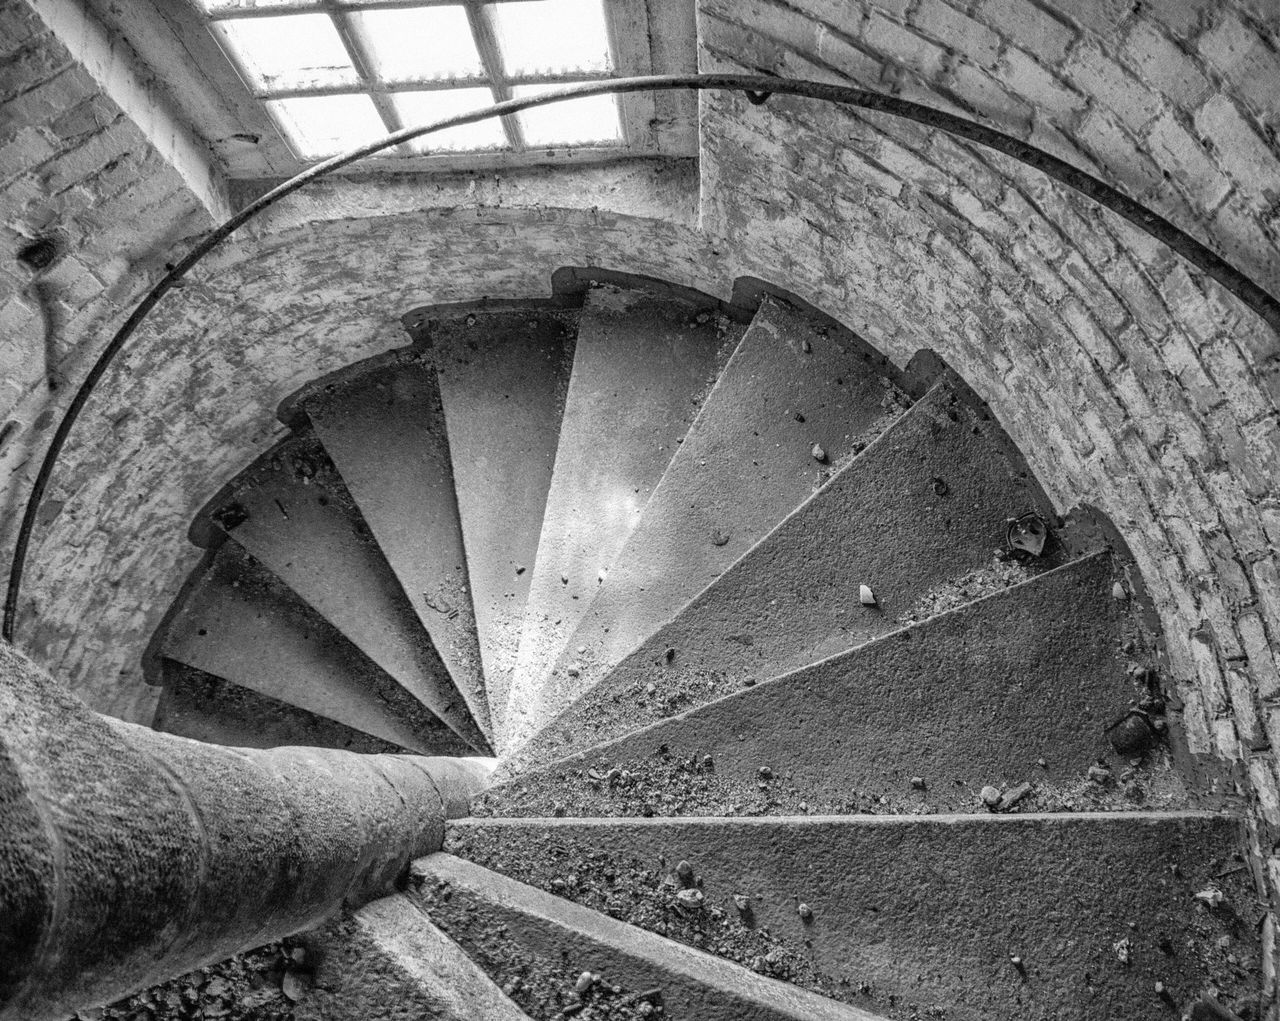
(758, 88)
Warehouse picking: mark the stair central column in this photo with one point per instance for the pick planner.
(128, 857)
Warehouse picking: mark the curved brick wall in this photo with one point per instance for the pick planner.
(1129, 380)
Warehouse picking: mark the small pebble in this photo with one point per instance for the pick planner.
(865, 596)
(520, 569)
(564, 579)
(1118, 592)
(1042, 763)
(818, 453)
(684, 872)
(805, 912)
(742, 902)
(292, 986)
(805, 346)
(707, 762)
(765, 773)
(917, 782)
(1211, 897)
(573, 670)
(1099, 774)
(690, 898)
(990, 796)
(584, 983)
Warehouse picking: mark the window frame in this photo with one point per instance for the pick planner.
(629, 26)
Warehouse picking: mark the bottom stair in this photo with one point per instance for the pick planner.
(1096, 916)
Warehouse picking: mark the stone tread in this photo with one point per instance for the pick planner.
(977, 696)
(239, 622)
(206, 708)
(516, 931)
(923, 504)
(642, 366)
(794, 382)
(382, 424)
(387, 961)
(503, 377)
(291, 510)
(915, 915)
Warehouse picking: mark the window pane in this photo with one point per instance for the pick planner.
(293, 51)
(417, 108)
(413, 44)
(243, 5)
(550, 36)
(590, 119)
(321, 126)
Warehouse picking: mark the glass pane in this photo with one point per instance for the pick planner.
(590, 119)
(321, 126)
(552, 36)
(292, 51)
(417, 108)
(413, 44)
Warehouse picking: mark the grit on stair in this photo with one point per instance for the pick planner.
(241, 623)
(292, 512)
(206, 708)
(503, 377)
(536, 945)
(641, 369)
(383, 426)
(798, 398)
(1017, 687)
(387, 962)
(1050, 917)
(924, 503)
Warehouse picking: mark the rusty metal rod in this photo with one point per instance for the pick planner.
(758, 89)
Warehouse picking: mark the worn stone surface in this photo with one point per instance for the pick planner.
(642, 366)
(503, 377)
(291, 511)
(912, 917)
(541, 947)
(239, 622)
(744, 465)
(382, 424)
(793, 599)
(386, 961)
(1020, 687)
(207, 708)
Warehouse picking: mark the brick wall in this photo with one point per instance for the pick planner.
(1129, 380)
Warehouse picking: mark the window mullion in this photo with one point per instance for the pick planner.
(486, 38)
(357, 48)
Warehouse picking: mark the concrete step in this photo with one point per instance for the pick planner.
(503, 378)
(1020, 687)
(539, 946)
(387, 961)
(923, 505)
(382, 424)
(238, 621)
(206, 708)
(642, 366)
(291, 510)
(794, 384)
(1053, 917)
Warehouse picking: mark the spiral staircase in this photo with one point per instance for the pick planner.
(805, 703)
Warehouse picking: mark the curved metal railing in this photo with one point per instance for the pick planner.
(758, 88)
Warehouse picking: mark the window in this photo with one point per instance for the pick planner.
(333, 74)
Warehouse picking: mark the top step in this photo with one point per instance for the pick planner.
(799, 398)
(642, 367)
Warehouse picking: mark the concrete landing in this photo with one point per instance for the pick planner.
(540, 946)
(794, 386)
(1058, 917)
